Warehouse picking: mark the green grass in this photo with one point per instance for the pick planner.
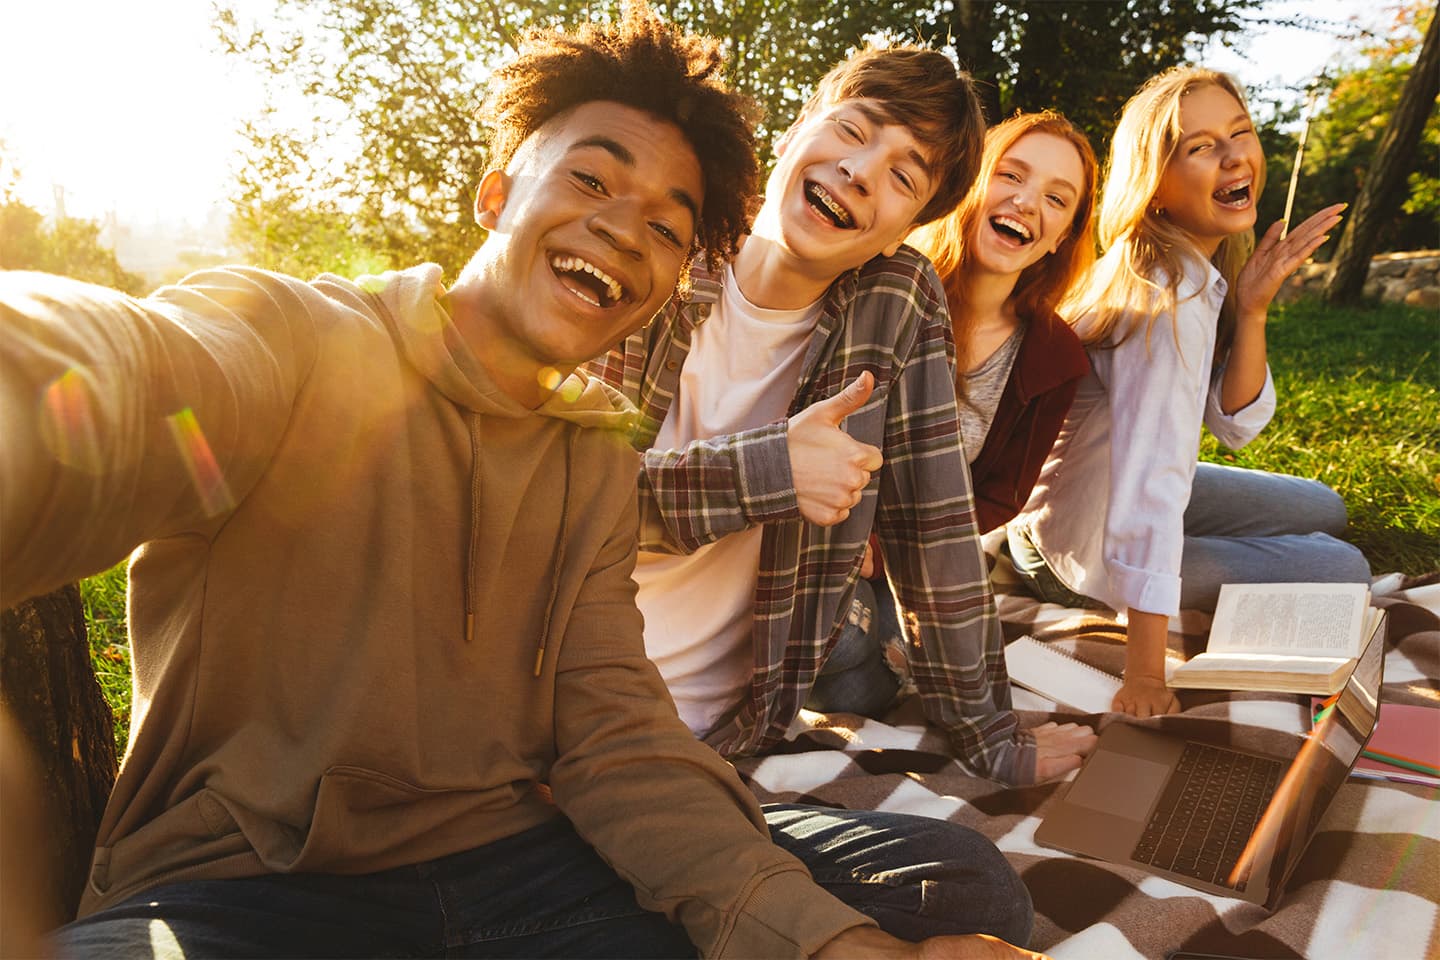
(1359, 409)
(104, 599)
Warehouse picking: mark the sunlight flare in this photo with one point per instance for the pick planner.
(205, 473)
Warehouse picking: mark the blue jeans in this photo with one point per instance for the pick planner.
(854, 677)
(545, 893)
(1241, 526)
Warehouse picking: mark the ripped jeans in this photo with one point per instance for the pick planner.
(855, 677)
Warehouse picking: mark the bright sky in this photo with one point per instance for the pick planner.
(126, 103)
(1291, 57)
(129, 105)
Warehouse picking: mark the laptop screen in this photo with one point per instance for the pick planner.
(1318, 770)
(1358, 706)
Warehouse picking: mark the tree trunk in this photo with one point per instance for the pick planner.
(49, 689)
(1385, 180)
(972, 29)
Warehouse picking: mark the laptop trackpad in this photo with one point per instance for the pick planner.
(1120, 785)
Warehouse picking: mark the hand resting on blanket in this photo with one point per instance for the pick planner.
(1062, 747)
(872, 942)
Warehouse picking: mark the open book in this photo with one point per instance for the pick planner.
(1287, 637)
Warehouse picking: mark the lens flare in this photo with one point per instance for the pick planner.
(371, 283)
(68, 422)
(205, 473)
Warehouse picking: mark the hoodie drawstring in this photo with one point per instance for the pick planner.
(472, 419)
(559, 563)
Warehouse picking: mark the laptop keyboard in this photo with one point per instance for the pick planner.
(1207, 812)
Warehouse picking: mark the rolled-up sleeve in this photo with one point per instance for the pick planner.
(717, 486)
(1236, 429)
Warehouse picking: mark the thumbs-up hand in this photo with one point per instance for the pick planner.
(829, 468)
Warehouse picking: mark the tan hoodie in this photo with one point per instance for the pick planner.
(375, 601)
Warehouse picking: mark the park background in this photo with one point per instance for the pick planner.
(140, 142)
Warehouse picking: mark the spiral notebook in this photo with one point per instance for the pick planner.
(1059, 677)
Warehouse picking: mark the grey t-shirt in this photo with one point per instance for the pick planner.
(982, 389)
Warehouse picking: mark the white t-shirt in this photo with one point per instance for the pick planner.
(741, 372)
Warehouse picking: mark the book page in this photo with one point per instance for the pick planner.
(1262, 663)
(1290, 619)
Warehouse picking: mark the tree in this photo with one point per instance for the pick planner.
(1386, 177)
(1083, 59)
(393, 86)
(1355, 102)
(69, 247)
(285, 218)
(391, 145)
(49, 688)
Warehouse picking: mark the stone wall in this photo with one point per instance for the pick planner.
(1412, 277)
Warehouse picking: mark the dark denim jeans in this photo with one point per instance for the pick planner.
(854, 678)
(1036, 574)
(545, 893)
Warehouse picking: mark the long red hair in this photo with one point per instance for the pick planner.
(947, 241)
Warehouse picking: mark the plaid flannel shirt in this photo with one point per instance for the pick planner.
(890, 318)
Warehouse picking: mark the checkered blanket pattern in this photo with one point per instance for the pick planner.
(1367, 887)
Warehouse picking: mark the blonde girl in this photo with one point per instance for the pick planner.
(1173, 315)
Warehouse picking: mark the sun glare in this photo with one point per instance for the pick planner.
(130, 108)
(127, 107)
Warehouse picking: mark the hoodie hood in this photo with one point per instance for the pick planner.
(411, 302)
(588, 402)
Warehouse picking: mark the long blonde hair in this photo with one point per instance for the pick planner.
(1138, 241)
(948, 241)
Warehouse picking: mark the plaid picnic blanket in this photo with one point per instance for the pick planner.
(1367, 887)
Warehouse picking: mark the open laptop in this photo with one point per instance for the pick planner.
(1228, 822)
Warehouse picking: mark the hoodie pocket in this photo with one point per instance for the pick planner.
(196, 831)
(366, 820)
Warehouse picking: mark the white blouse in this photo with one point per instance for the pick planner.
(1107, 512)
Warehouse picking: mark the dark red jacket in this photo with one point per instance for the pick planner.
(1032, 409)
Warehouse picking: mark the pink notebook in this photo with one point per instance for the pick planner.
(1406, 730)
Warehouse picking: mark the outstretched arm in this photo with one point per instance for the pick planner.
(126, 420)
(926, 524)
(1158, 387)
